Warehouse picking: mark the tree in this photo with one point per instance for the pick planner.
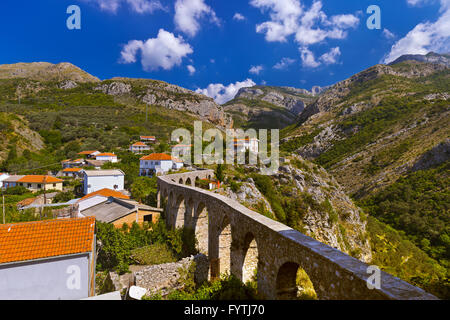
(144, 189)
(220, 176)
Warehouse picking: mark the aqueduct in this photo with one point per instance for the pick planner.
(239, 240)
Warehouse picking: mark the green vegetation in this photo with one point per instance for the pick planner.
(297, 142)
(401, 258)
(372, 123)
(419, 206)
(149, 243)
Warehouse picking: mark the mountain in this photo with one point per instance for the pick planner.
(268, 106)
(371, 128)
(442, 59)
(44, 71)
(49, 111)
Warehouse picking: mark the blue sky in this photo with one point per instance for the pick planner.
(216, 47)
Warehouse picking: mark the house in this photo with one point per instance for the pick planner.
(242, 145)
(158, 163)
(36, 183)
(182, 149)
(139, 147)
(97, 164)
(71, 172)
(89, 154)
(11, 181)
(48, 260)
(72, 163)
(99, 196)
(119, 211)
(3, 176)
(108, 157)
(148, 138)
(95, 180)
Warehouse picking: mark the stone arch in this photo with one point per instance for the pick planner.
(188, 182)
(180, 181)
(197, 179)
(178, 212)
(293, 283)
(224, 243)
(250, 257)
(200, 225)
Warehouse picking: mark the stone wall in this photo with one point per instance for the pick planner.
(279, 250)
(165, 278)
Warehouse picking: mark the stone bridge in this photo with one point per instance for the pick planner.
(239, 241)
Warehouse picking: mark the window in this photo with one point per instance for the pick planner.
(148, 218)
(39, 185)
(29, 185)
(54, 185)
(116, 186)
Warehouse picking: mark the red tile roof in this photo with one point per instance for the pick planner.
(157, 156)
(106, 154)
(106, 193)
(72, 170)
(26, 202)
(87, 152)
(48, 238)
(139, 144)
(39, 179)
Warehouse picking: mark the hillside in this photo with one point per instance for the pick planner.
(45, 119)
(370, 129)
(268, 106)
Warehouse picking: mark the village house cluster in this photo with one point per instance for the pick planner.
(37, 257)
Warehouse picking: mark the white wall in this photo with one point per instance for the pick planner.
(106, 158)
(100, 182)
(45, 279)
(164, 165)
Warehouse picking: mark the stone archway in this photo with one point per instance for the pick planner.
(250, 258)
(180, 181)
(225, 246)
(188, 182)
(178, 212)
(293, 283)
(200, 225)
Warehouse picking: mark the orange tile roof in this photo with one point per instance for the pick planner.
(139, 144)
(148, 137)
(106, 193)
(48, 238)
(106, 154)
(157, 156)
(72, 170)
(87, 152)
(39, 179)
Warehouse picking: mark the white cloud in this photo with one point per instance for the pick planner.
(221, 93)
(139, 6)
(165, 51)
(191, 69)
(289, 17)
(238, 16)
(388, 34)
(189, 12)
(256, 69)
(425, 37)
(331, 57)
(309, 60)
(284, 63)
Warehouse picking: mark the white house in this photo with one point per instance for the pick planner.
(111, 157)
(95, 180)
(3, 176)
(158, 163)
(242, 145)
(139, 147)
